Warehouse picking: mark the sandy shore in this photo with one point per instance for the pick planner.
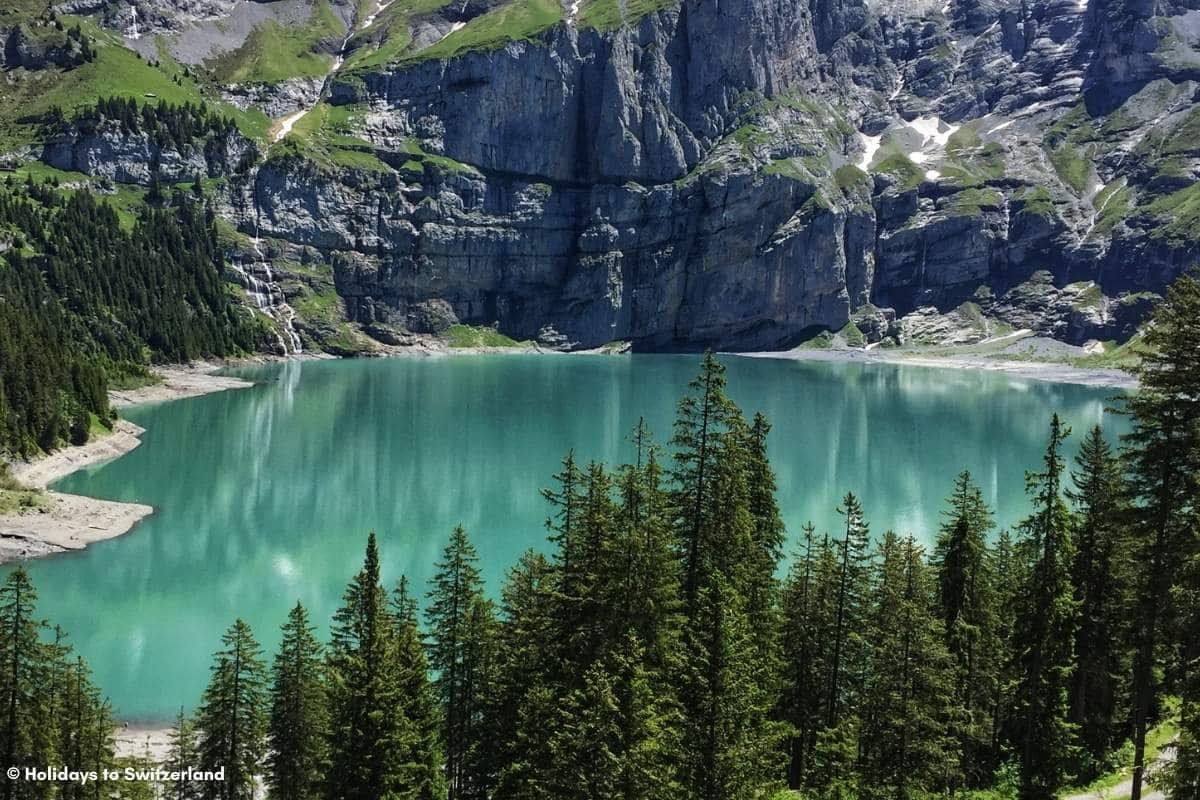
(1034, 370)
(177, 383)
(132, 739)
(71, 522)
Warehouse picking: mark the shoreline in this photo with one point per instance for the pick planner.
(66, 522)
(142, 740)
(1049, 371)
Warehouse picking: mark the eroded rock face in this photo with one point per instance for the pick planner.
(743, 173)
(132, 157)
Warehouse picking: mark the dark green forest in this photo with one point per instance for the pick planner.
(655, 651)
(86, 302)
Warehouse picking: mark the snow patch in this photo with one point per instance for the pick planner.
(931, 128)
(918, 157)
(870, 147)
(1000, 127)
(932, 174)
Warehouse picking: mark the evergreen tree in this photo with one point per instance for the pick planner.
(646, 587)
(1011, 575)
(1179, 778)
(702, 421)
(298, 724)
(28, 733)
(455, 597)
(852, 600)
(368, 731)
(423, 775)
(907, 744)
(730, 747)
(565, 500)
(966, 597)
(183, 752)
(523, 699)
(232, 720)
(808, 615)
(1162, 455)
(1045, 636)
(1101, 573)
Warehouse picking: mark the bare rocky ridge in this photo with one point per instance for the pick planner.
(744, 174)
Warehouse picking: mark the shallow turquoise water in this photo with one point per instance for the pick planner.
(265, 495)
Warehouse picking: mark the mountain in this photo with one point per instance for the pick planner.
(733, 173)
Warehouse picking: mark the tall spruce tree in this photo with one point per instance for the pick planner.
(1101, 573)
(966, 597)
(729, 689)
(907, 742)
(298, 722)
(457, 591)
(28, 736)
(1045, 635)
(368, 732)
(232, 719)
(703, 421)
(808, 614)
(182, 752)
(523, 697)
(1162, 454)
(423, 763)
(847, 661)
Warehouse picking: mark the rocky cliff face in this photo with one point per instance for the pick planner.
(742, 173)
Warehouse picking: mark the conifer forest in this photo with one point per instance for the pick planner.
(673, 640)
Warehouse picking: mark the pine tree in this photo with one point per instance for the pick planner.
(1011, 575)
(298, 723)
(1045, 636)
(232, 720)
(523, 699)
(1101, 574)
(86, 739)
(703, 420)
(368, 731)
(647, 586)
(966, 597)
(565, 500)
(848, 659)
(1179, 778)
(27, 737)
(807, 614)
(182, 753)
(423, 775)
(1162, 454)
(480, 665)
(457, 591)
(907, 742)
(730, 749)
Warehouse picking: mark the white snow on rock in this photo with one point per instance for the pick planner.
(933, 129)
(870, 147)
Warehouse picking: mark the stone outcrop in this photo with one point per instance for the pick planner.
(106, 150)
(740, 174)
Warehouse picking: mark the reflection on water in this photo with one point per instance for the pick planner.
(264, 496)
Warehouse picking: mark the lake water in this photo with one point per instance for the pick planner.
(265, 495)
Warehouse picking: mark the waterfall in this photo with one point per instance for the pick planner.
(133, 29)
(259, 282)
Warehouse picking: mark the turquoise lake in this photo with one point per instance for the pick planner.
(264, 496)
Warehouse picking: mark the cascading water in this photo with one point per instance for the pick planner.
(133, 28)
(259, 282)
